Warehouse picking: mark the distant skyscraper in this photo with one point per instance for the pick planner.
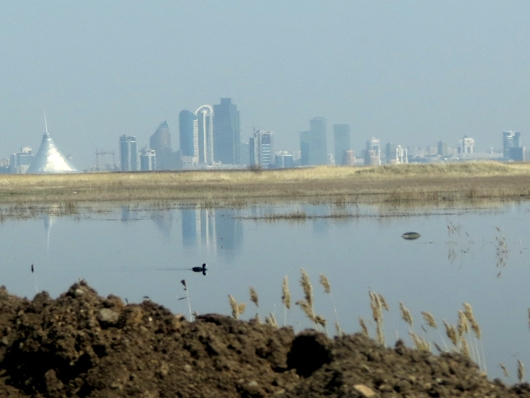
(510, 139)
(160, 141)
(205, 134)
(147, 159)
(189, 134)
(341, 135)
(313, 145)
(349, 158)
(283, 160)
(373, 152)
(442, 149)
(261, 148)
(226, 135)
(467, 145)
(128, 153)
(21, 161)
(317, 125)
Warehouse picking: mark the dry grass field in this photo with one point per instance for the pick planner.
(393, 183)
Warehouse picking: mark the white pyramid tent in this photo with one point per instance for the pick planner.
(49, 160)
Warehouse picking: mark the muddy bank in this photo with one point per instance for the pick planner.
(84, 345)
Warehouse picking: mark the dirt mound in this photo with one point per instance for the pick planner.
(83, 345)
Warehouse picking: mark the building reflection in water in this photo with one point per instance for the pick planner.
(218, 230)
(163, 220)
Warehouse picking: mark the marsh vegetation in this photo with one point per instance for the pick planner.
(392, 183)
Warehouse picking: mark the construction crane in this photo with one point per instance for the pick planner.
(99, 153)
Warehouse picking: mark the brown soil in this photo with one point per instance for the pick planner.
(83, 345)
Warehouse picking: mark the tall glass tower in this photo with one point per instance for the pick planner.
(189, 134)
(160, 142)
(227, 139)
(341, 135)
(128, 153)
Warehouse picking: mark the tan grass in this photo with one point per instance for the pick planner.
(393, 183)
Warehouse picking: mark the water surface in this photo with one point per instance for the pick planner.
(464, 255)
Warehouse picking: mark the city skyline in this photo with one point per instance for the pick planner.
(409, 72)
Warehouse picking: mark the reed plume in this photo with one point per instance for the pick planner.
(451, 333)
(327, 288)
(286, 298)
(405, 314)
(254, 296)
(325, 283)
(468, 311)
(377, 313)
(237, 309)
(304, 305)
(271, 320)
(464, 348)
(383, 302)
(307, 287)
(429, 319)
(320, 320)
(520, 370)
(419, 342)
(364, 329)
(463, 325)
(504, 370)
(307, 304)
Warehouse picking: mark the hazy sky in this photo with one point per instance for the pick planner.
(409, 72)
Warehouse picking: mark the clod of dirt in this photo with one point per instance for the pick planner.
(84, 345)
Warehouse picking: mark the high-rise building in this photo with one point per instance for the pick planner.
(147, 159)
(317, 125)
(373, 152)
(226, 135)
(283, 160)
(189, 134)
(348, 158)
(313, 146)
(261, 148)
(205, 134)
(21, 161)
(510, 139)
(442, 149)
(467, 145)
(160, 142)
(128, 153)
(341, 135)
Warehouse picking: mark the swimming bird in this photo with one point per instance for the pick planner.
(202, 269)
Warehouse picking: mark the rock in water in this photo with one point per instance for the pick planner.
(410, 235)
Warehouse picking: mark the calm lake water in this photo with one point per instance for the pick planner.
(476, 255)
